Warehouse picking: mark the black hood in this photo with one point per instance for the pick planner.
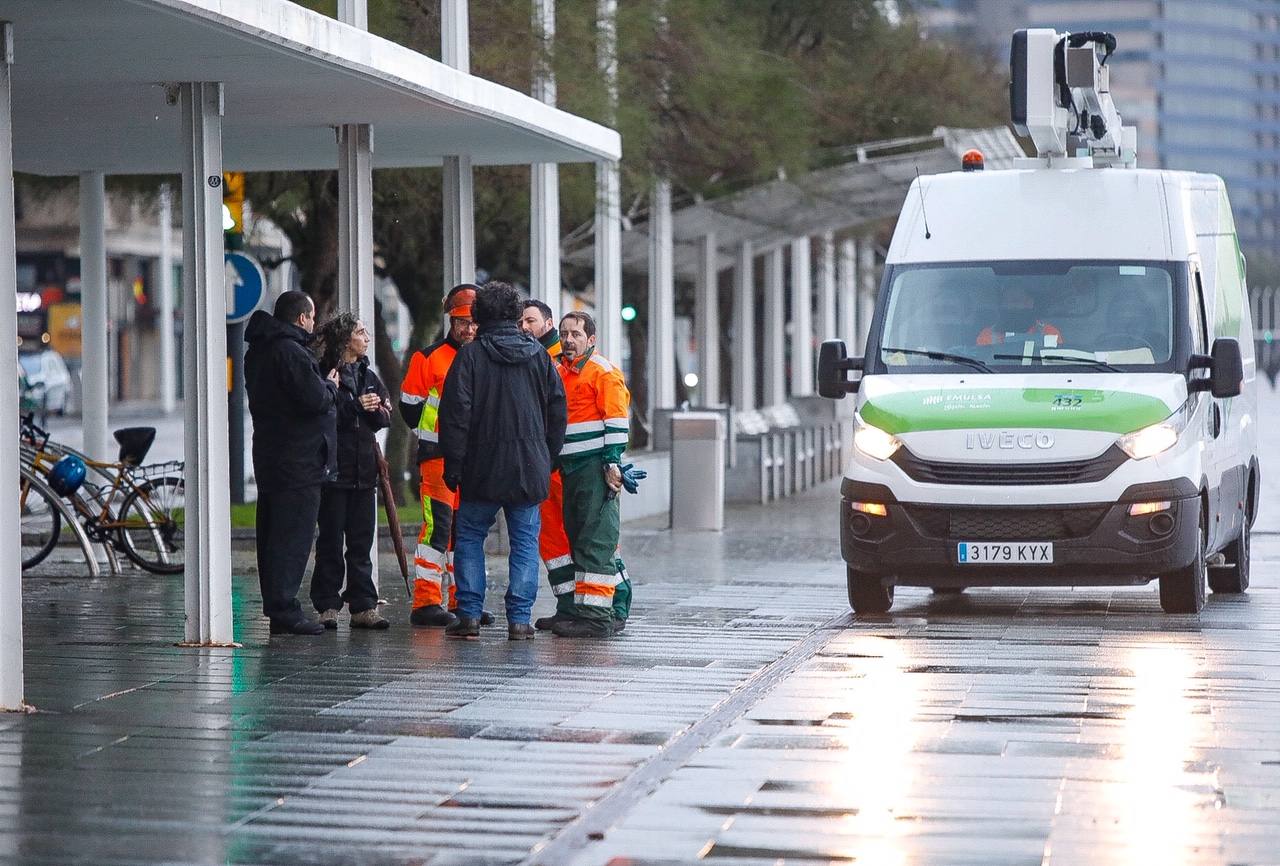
(264, 327)
(507, 344)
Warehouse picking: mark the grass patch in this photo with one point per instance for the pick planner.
(245, 516)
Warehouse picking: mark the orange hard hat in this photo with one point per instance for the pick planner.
(459, 300)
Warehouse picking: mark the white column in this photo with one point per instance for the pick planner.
(95, 357)
(708, 319)
(662, 311)
(11, 682)
(608, 217)
(774, 348)
(354, 12)
(847, 281)
(866, 288)
(164, 284)
(744, 329)
(544, 199)
(827, 327)
(208, 526)
(459, 196)
(355, 221)
(801, 318)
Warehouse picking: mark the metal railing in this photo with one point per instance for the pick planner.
(789, 460)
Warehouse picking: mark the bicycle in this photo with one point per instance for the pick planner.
(149, 523)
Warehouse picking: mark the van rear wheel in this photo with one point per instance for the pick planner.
(1183, 590)
(1234, 576)
(868, 592)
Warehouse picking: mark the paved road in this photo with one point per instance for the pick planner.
(744, 717)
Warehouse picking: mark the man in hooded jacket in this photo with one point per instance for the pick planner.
(294, 451)
(502, 419)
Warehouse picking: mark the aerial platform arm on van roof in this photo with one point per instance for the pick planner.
(1060, 97)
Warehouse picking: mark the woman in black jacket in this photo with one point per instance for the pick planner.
(347, 515)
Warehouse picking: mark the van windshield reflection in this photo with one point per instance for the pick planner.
(1033, 316)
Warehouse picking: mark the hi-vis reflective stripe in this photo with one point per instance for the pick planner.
(558, 562)
(615, 438)
(562, 588)
(433, 400)
(584, 427)
(620, 423)
(427, 435)
(593, 444)
(599, 579)
(428, 555)
(593, 600)
(410, 399)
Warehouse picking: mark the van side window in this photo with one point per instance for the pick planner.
(1199, 333)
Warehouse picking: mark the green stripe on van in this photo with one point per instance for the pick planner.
(1059, 409)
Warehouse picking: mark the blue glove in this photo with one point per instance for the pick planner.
(632, 477)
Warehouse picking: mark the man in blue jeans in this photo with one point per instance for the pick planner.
(502, 420)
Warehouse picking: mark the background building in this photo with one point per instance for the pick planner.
(1200, 80)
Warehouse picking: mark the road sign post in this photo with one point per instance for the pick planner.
(246, 289)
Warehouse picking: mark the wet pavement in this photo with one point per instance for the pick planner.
(743, 717)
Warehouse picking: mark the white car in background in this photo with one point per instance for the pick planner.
(48, 379)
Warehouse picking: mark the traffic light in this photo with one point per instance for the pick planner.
(233, 208)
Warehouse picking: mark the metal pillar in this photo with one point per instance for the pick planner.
(847, 279)
(544, 199)
(708, 317)
(95, 363)
(354, 12)
(827, 327)
(744, 329)
(11, 680)
(168, 361)
(208, 518)
(866, 288)
(662, 309)
(801, 318)
(608, 218)
(459, 196)
(355, 221)
(775, 360)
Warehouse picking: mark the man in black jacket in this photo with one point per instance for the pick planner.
(502, 420)
(294, 451)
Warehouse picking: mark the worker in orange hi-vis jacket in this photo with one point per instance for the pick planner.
(591, 476)
(553, 543)
(420, 395)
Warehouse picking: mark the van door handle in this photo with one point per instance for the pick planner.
(1217, 421)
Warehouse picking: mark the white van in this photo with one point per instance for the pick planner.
(1057, 389)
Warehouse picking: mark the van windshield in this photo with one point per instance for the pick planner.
(1033, 316)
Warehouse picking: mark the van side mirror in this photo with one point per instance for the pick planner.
(1226, 369)
(834, 365)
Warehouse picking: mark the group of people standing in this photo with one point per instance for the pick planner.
(509, 412)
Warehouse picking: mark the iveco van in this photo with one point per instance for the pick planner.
(1058, 383)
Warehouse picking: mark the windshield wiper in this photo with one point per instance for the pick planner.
(942, 356)
(1093, 362)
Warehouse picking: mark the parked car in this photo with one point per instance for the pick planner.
(48, 380)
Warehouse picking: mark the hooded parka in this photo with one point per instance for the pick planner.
(357, 429)
(502, 418)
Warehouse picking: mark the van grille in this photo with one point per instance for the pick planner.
(1064, 472)
(1005, 524)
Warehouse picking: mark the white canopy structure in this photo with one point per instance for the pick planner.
(96, 87)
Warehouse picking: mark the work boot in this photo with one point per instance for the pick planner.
(577, 627)
(329, 618)
(547, 623)
(486, 618)
(520, 631)
(297, 626)
(432, 615)
(465, 627)
(618, 625)
(369, 619)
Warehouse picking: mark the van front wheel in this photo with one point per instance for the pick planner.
(868, 592)
(1183, 590)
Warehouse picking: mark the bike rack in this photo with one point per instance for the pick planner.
(108, 551)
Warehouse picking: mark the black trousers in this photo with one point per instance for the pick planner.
(286, 526)
(346, 518)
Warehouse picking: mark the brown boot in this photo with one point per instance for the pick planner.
(520, 631)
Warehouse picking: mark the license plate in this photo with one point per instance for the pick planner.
(1004, 553)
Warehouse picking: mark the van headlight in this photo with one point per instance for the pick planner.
(872, 441)
(1157, 438)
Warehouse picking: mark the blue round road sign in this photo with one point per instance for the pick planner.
(246, 286)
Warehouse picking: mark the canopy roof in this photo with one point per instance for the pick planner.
(866, 189)
(89, 76)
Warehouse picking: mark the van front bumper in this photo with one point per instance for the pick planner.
(1093, 543)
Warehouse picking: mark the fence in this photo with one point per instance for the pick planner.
(1265, 304)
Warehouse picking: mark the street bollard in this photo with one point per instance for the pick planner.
(697, 470)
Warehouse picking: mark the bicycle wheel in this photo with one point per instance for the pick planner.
(41, 523)
(154, 525)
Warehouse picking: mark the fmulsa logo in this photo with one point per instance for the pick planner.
(1008, 441)
(963, 400)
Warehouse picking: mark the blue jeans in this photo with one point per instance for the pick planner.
(471, 526)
